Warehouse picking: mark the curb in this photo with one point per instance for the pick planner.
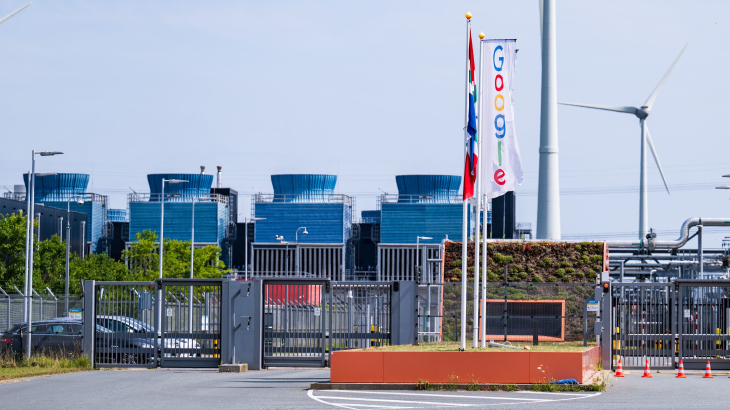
(436, 386)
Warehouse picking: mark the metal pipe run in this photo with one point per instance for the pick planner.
(675, 244)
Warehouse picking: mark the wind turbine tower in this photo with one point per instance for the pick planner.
(548, 191)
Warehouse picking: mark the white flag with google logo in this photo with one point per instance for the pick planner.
(501, 164)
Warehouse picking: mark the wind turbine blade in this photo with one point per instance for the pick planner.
(13, 13)
(628, 110)
(540, 1)
(650, 101)
(656, 158)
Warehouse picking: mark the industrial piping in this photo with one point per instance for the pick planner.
(679, 242)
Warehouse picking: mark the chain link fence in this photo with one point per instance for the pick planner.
(44, 308)
(548, 312)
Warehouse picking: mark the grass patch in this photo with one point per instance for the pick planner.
(454, 346)
(12, 368)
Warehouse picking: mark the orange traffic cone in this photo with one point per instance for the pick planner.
(708, 371)
(647, 372)
(680, 373)
(619, 369)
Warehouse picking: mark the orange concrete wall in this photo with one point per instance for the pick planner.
(372, 366)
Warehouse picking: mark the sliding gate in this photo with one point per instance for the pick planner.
(643, 325)
(664, 323)
(305, 320)
(131, 329)
(704, 323)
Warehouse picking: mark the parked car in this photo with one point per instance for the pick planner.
(174, 347)
(48, 336)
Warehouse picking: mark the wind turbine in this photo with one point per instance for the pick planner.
(2, 20)
(642, 113)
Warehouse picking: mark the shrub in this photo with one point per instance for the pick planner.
(456, 263)
(492, 277)
(547, 262)
(530, 270)
(579, 275)
(551, 278)
(569, 270)
(522, 275)
(502, 259)
(559, 273)
(537, 279)
(567, 278)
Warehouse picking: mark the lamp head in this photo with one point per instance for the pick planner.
(305, 232)
(80, 201)
(49, 153)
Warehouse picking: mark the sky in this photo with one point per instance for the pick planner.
(366, 90)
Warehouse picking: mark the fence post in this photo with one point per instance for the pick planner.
(403, 306)
(504, 312)
(89, 319)
(585, 322)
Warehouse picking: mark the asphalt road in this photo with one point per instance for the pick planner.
(288, 389)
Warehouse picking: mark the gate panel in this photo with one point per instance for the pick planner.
(124, 333)
(294, 323)
(704, 322)
(643, 325)
(359, 315)
(191, 323)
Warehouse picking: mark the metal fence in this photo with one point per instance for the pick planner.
(547, 312)
(306, 261)
(704, 323)
(398, 262)
(44, 308)
(642, 325)
(304, 321)
(188, 334)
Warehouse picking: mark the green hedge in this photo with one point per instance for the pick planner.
(530, 261)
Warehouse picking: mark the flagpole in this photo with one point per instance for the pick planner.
(484, 274)
(465, 210)
(478, 195)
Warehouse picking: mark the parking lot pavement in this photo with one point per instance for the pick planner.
(289, 389)
(166, 389)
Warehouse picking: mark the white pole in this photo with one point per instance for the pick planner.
(192, 259)
(478, 196)
(27, 246)
(161, 303)
(162, 223)
(29, 292)
(548, 191)
(465, 210)
(68, 251)
(484, 275)
(643, 188)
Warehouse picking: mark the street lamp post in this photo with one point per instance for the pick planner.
(418, 238)
(162, 241)
(30, 196)
(245, 223)
(296, 240)
(68, 243)
(428, 299)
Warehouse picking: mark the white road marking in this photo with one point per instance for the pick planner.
(431, 395)
(555, 393)
(367, 403)
(395, 401)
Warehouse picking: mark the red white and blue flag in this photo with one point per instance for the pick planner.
(470, 162)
